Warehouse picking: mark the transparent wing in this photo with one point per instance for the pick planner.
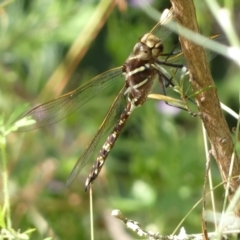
(58, 109)
(113, 113)
(176, 60)
(160, 29)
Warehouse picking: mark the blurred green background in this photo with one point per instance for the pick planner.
(156, 170)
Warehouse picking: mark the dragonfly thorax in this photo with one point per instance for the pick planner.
(139, 69)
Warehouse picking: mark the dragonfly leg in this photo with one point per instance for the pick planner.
(168, 55)
(163, 86)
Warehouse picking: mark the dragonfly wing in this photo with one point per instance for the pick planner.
(57, 109)
(113, 113)
(176, 62)
(160, 29)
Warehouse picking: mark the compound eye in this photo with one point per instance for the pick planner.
(144, 53)
(156, 52)
(141, 51)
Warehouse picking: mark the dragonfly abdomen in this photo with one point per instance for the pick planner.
(108, 145)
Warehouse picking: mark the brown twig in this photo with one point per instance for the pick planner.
(222, 146)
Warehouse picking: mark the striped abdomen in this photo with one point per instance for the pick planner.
(108, 145)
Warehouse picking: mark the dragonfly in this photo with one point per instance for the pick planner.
(146, 63)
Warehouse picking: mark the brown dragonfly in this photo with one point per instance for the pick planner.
(146, 63)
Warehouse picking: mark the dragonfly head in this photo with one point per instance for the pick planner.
(149, 47)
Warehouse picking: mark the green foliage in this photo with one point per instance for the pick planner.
(155, 171)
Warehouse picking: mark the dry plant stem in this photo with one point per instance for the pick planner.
(91, 212)
(222, 146)
(135, 227)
